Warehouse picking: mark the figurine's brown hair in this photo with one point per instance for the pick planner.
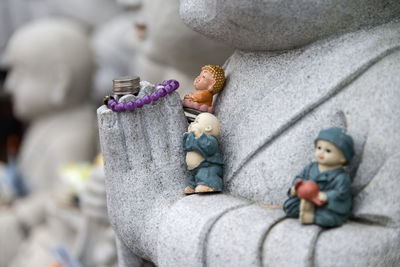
(218, 75)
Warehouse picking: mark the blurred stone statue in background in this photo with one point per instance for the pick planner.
(50, 76)
(298, 67)
(135, 43)
(169, 49)
(16, 13)
(114, 45)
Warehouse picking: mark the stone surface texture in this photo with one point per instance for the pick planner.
(272, 107)
(279, 25)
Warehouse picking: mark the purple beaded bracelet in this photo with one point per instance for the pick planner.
(164, 88)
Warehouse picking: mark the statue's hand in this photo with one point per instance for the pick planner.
(144, 166)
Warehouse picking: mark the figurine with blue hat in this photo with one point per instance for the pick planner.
(321, 193)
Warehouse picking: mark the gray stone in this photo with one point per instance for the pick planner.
(50, 85)
(126, 258)
(113, 56)
(290, 243)
(171, 43)
(272, 107)
(186, 228)
(92, 12)
(280, 25)
(11, 237)
(358, 245)
(95, 245)
(248, 225)
(126, 157)
(170, 49)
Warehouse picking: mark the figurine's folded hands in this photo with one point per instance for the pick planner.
(188, 96)
(137, 145)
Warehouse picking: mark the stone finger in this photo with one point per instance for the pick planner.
(112, 141)
(136, 141)
(173, 115)
(155, 130)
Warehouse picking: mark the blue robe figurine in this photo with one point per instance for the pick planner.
(209, 171)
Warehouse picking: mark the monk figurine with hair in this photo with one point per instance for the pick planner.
(321, 193)
(210, 82)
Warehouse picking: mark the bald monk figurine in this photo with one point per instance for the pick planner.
(203, 159)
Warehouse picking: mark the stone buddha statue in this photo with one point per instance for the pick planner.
(297, 68)
(50, 79)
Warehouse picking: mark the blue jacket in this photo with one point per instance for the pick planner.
(337, 186)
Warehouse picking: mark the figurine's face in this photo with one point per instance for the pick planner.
(328, 154)
(204, 82)
(205, 123)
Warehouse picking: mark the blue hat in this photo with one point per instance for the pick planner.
(340, 138)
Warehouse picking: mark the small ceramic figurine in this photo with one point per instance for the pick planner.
(209, 82)
(321, 193)
(203, 158)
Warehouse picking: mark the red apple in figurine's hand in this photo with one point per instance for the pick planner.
(308, 190)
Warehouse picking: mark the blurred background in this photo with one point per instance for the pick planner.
(57, 62)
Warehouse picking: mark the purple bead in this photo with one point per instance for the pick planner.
(120, 107)
(139, 103)
(169, 89)
(175, 84)
(158, 84)
(115, 108)
(154, 96)
(146, 99)
(130, 106)
(162, 92)
(112, 105)
(164, 83)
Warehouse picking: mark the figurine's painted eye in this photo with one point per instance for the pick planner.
(319, 148)
(328, 151)
(204, 76)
